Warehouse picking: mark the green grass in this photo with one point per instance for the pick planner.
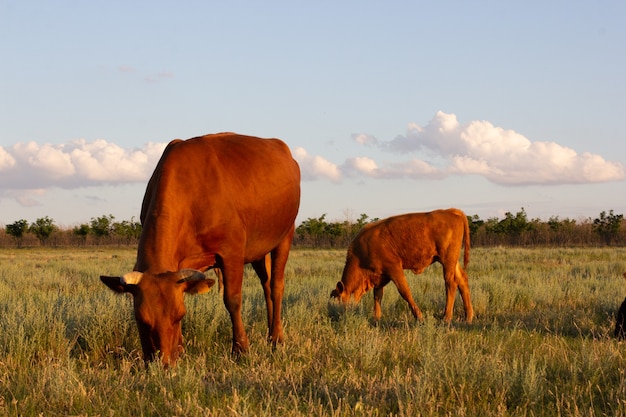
(541, 343)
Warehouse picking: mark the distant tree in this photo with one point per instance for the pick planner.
(313, 229)
(82, 231)
(17, 230)
(607, 226)
(475, 223)
(515, 225)
(102, 226)
(130, 230)
(557, 224)
(43, 228)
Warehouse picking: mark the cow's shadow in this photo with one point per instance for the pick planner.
(594, 321)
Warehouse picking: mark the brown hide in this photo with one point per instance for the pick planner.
(382, 250)
(218, 201)
(620, 320)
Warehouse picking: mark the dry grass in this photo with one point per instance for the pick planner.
(540, 345)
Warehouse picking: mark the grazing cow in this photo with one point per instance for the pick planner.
(216, 201)
(620, 322)
(382, 250)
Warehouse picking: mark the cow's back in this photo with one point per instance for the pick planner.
(209, 191)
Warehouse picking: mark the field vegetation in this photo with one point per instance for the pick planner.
(315, 232)
(541, 343)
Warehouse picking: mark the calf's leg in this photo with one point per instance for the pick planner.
(398, 277)
(463, 283)
(620, 322)
(449, 276)
(378, 297)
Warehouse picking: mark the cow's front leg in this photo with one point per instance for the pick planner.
(233, 283)
(398, 277)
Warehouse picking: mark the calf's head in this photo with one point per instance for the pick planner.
(159, 307)
(355, 282)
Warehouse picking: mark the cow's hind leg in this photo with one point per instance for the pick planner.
(463, 283)
(277, 285)
(449, 276)
(262, 268)
(398, 277)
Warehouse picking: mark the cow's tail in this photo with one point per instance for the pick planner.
(466, 242)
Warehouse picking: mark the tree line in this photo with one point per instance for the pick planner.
(318, 232)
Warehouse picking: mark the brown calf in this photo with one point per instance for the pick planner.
(382, 250)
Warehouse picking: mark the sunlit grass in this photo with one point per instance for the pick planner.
(541, 343)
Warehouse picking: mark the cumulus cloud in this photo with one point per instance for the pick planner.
(500, 155)
(29, 166)
(415, 168)
(314, 167)
(441, 148)
(364, 139)
(6, 159)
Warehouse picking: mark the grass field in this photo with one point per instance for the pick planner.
(541, 343)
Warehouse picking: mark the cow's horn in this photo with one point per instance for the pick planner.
(190, 275)
(131, 278)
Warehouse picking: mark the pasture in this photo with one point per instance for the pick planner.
(541, 343)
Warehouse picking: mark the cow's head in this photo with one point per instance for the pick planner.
(159, 307)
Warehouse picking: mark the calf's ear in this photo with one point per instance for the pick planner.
(336, 293)
(195, 281)
(199, 286)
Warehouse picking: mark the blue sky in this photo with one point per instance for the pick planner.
(389, 107)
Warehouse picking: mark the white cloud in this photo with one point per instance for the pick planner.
(364, 139)
(361, 165)
(47, 160)
(313, 167)
(444, 147)
(27, 166)
(500, 155)
(6, 159)
(411, 169)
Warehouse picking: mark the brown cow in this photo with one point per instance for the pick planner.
(382, 250)
(220, 201)
(620, 320)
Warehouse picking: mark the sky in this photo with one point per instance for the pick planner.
(389, 107)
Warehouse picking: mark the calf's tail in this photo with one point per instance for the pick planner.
(466, 242)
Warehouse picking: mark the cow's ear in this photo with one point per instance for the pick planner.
(114, 283)
(199, 286)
